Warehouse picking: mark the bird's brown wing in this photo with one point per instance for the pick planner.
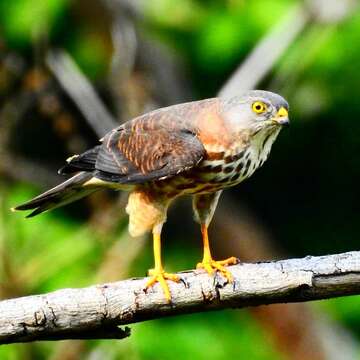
(144, 149)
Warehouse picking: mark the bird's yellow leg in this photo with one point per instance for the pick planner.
(157, 273)
(209, 264)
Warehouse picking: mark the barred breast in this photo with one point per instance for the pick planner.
(219, 169)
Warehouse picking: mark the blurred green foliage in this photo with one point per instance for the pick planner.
(23, 20)
(52, 251)
(213, 35)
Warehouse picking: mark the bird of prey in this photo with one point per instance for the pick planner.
(197, 148)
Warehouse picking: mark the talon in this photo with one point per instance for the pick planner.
(230, 261)
(159, 276)
(211, 265)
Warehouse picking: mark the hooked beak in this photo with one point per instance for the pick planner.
(282, 117)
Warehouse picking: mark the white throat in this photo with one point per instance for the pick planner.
(262, 143)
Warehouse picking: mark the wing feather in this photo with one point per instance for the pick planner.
(135, 157)
(157, 145)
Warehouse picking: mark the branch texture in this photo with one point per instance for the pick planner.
(98, 311)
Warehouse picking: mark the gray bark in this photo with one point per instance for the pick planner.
(98, 311)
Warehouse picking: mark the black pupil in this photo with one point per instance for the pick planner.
(258, 107)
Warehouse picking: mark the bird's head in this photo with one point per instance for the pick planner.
(257, 111)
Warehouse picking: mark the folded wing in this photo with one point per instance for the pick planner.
(151, 147)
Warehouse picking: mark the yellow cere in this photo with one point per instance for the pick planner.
(282, 112)
(259, 107)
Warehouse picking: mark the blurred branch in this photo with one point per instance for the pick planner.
(97, 311)
(134, 8)
(269, 50)
(262, 59)
(125, 47)
(81, 92)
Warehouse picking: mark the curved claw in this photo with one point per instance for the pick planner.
(229, 261)
(160, 276)
(210, 266)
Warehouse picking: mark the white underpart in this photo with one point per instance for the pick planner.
(259, 154)
(255, 153)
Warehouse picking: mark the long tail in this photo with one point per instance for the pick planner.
(62, 194)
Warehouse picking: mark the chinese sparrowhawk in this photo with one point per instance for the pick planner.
(197, 148)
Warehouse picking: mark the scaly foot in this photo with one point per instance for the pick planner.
(211, 266)
(161, 276)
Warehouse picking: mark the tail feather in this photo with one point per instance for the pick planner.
(62, 194)
(83, 162)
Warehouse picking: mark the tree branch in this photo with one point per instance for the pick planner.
(81, 91)
(266, 53)
(97, 311)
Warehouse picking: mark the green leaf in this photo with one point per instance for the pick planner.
(23, 20)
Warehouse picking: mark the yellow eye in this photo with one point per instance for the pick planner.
(259, 107)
